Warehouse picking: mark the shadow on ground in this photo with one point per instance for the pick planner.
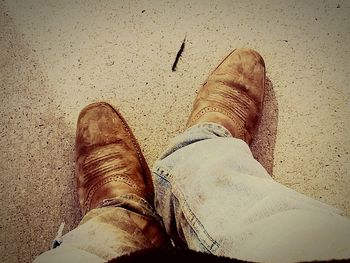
(36, 171)
(264, 143)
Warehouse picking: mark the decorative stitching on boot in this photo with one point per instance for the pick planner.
(92, 190)
(239, 126)
(147, 177)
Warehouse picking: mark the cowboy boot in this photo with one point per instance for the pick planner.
(232, 95)
(109, 162)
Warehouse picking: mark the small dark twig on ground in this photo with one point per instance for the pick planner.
(178, 55)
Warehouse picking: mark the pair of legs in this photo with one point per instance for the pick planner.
(206, 192)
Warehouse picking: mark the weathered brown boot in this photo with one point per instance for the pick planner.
(233, 94)
(109, 161)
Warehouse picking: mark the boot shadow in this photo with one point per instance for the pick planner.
(38, 184)
(263, 146)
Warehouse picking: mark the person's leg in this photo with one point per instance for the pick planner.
(215, 197)
(125, 225)
(115, 191)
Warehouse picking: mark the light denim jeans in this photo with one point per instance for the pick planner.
(214, 197)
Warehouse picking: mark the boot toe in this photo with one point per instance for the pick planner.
(97, 125)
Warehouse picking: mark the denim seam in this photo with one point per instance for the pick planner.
(193, 220)
(205, 245)
(188, 213)
(192, 215)
(161, 170)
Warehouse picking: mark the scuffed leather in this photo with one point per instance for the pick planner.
(109, 161)
(233, 94)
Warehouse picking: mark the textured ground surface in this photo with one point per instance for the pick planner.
(58, 56)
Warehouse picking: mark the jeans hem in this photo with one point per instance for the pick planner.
(133, 203)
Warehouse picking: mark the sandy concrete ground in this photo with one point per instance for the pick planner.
(58, 56)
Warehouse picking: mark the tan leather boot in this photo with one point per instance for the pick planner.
(233, 94)
(109, 161)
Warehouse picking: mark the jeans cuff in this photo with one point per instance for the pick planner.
(196, 133)
(214, 128)
(133, 203)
